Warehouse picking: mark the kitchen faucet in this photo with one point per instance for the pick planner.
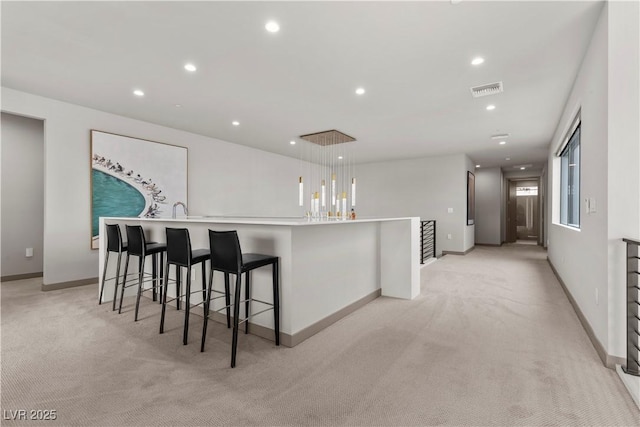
(183, 207)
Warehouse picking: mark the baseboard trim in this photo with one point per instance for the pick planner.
(496, 245)
(20, 276)
(608, 360)
(288, 340)
(458, 253)
(70, 284)
(311, 330)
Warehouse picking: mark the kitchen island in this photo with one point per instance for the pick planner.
(328, 267)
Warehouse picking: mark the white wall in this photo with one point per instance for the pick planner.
(424, 187)
(623, 183)
(607, 91)
(224, 178)
(489, 206)
(22, 194)
(580, 256)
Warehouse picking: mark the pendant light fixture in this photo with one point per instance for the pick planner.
(327, 157)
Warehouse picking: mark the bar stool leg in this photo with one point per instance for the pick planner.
(236, 316)
(247, 296)
(204, 287)
(161, 287)
(178, 286)
(140, 277)
(187, 306)
(164, 295)
(227, 298)
(154, 275)
(104, 275)
(276, 301)
(206, 311)
(124, 279)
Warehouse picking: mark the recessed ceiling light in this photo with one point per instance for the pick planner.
(477, 166)
(500, 136)
(235, 123)
(502, 142)
(272, 27)
(190, 67)
(491, 107)
(178, 105)
(339, 157)
(292, 142)
(508, 158)
(138, 92)
(477, 60)
(522, 168)
(360, 91)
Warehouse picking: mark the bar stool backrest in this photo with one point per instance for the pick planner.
(226, 254)
(178, 246)
(136, 243)
(114, 238)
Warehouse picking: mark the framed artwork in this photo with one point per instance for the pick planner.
(133, 177)
(471, 198)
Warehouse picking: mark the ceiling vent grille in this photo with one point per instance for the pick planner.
(485, 90)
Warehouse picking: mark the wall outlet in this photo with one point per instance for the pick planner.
(29, 252)
(450, 210)
(449, 236)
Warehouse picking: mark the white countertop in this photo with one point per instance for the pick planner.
(287, 221)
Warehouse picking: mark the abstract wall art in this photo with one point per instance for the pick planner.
(132, 177)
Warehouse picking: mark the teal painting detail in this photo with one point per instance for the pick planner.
(113, 197)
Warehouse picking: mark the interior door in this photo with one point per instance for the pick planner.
(512, 213)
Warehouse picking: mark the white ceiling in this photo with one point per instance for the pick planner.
(413, 59)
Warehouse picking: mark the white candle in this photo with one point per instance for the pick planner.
(333, 189)
(300, 192)
(353, 191)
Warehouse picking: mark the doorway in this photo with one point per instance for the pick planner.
(523, 211)
(22, 178)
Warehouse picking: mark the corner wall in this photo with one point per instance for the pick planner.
(489, 206)
(425, 188)
(22, 195)
(623, 184)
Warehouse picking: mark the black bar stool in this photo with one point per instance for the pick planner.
(138, 246)
(180, 254)
(227, 257)
(114, 244)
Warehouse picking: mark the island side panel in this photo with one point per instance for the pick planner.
(399, 258)
(334, 266)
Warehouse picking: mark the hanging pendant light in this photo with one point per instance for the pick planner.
(328, 159)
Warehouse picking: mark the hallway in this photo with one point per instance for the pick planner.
(491, 340)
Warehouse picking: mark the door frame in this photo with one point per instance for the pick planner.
(511, 235)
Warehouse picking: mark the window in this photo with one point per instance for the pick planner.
(570, 180)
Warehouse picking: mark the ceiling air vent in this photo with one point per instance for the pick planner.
(485, 90)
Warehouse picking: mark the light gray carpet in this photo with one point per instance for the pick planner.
(492, 340)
